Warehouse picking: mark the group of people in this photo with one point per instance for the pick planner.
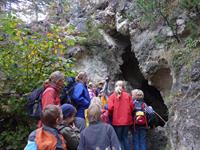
(63, 127)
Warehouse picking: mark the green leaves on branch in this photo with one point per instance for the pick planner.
(29, 57)
(191, 5)
(185, 56)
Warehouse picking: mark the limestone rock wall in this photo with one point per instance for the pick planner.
(154, 60)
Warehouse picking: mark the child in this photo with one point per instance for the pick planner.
(104, 111)
(91, 90)
(98, 135)
(67, 128)
(140, 120)
(47, 137)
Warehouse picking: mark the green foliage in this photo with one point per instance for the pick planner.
(153, 11)
(16, 126)
(193, 27)
(185, 56)
(92, 36)
(27, 58)
(190, 5)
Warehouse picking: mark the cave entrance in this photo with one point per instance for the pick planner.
(130, 72)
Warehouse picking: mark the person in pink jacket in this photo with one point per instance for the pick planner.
(120, 107)
(53, 87)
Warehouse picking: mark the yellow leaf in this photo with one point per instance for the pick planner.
(18, 33)
(59, 40)
(49, 34)
(55, 51)
(60, 46)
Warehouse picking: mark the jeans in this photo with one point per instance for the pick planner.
(122, 134)
(139, 139)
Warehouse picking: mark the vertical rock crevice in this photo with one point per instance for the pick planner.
(130, 71)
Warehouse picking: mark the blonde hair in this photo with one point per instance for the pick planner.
(81, 76)
(56, 76)
(94, 111)
(140, 94)
(95, 101)
(90, 85)
(134, 93)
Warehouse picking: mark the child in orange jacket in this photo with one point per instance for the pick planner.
(47, 137)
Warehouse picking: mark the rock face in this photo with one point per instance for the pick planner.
(183, 125)
(128, 51)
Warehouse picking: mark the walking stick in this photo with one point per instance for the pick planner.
(159, 117)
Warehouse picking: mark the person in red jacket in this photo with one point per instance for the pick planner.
(120, 107)
(53, 87)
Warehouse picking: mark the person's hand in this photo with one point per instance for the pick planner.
(150, 109)
(107, 79)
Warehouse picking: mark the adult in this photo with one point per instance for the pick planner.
(81, 99)
(120, 107)
(53, 87)
(99, 87)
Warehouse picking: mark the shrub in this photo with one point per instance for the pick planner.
(27, 58)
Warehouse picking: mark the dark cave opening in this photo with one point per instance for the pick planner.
(131, 73)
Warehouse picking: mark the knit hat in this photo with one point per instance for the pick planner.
(67, 110)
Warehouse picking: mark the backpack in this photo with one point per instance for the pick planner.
(67, 92)
(140, 117)
(34, 104)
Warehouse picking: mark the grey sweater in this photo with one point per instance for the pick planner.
(99, 136)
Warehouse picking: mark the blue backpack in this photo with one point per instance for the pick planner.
(34, 104)
(67, 92)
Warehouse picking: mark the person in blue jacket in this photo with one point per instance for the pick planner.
(81, 99)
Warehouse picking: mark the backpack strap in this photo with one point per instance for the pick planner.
(61, 128)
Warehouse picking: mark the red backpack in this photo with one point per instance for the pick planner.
(140, 118)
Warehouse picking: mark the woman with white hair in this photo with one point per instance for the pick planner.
(53, 87)
(120, 107)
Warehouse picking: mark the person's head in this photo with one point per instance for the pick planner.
(82, 77)
(134, 94)
(140, 95)
(100, 84)
(95, 101)
(90, 85)
(120, 83)
(119, 86)
(94, 113)
(69, 113)
(57, 78)
(51, 115)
